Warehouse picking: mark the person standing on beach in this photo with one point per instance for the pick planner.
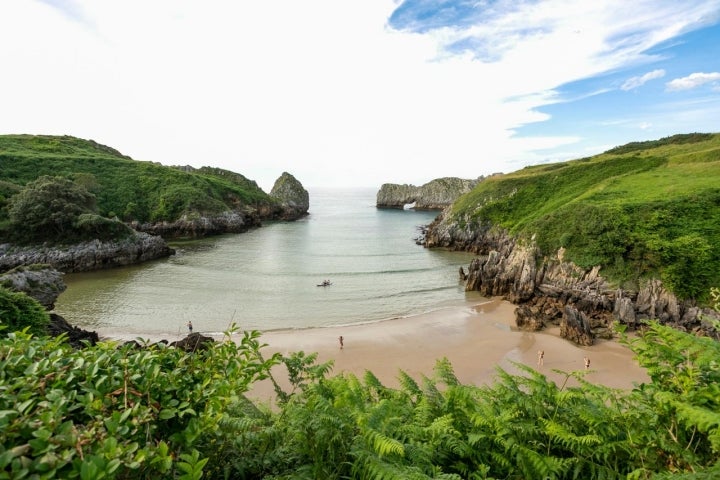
(587, 363)
(190, 326)
(541, 356)
(341, 339)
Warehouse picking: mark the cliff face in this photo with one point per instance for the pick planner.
(551, 291)
(434, 195)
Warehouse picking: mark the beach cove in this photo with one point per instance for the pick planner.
(476, 338)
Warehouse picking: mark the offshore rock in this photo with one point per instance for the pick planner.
(434, 195)
(293, 197)
(552, 291)
(87, 256)
(40, 282)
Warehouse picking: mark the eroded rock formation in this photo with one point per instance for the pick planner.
(434, 195)
(549, 290)
(293, 197)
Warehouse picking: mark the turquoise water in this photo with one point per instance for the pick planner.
(267, 279)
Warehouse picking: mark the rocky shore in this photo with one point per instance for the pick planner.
(551, 291)
(87, 256)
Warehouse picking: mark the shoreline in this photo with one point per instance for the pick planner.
(477, 337)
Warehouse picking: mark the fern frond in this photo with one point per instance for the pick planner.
(409, 385)
(444, 372)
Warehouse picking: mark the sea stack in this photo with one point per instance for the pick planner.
(293, 197)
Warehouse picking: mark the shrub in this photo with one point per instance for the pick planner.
(19, 311)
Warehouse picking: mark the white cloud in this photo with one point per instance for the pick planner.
(635, 82)
(322, 89)
(693, 80)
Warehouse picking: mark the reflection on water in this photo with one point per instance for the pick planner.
(266, 278)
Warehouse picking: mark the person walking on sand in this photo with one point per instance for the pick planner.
(189, 327)
(541, 356)
(341, 339)
(587, 363)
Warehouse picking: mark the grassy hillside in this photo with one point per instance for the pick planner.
(130, 189)
(643, 209)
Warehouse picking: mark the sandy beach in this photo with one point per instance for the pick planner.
(476, 338)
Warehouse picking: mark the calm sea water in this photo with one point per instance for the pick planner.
(267, 279)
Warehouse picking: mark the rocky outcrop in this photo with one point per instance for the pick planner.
(293, 198)
(434, 195)
(40, 282)
(194, 342)
(195, 225)
(551, 291)
(45, 284)
(87, 256)
(76, 337)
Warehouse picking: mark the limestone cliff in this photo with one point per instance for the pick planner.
(434, 195)
(549, 290)
(293, 198)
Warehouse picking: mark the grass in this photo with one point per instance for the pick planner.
(650, 209)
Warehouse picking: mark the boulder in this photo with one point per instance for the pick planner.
(193, 342)
(76, 337)
(576, 327)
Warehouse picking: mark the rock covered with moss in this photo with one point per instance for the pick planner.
(434, 195)
(293, 197)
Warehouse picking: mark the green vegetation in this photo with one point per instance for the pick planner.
(20, 312)
(159, 412)
(129, 189)
(59, 210)
(644, 209)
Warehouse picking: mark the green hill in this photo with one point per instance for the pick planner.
(643, 209)
(129, 189)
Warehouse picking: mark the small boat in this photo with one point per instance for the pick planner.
(325, 283)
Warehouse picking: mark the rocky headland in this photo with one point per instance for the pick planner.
(434, 195)
(293, 202)
(551, 291)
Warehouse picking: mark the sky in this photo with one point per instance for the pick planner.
(357, 93)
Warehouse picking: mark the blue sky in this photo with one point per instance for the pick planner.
(350, 93)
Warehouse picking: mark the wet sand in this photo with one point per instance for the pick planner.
(476, 338)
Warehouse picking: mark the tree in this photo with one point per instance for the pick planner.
(49, 207)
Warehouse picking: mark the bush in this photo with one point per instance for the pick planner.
(90, 225)
(18, 312)
(49, 207)
(109, 412)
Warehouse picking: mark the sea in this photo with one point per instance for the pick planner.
(267, 278)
